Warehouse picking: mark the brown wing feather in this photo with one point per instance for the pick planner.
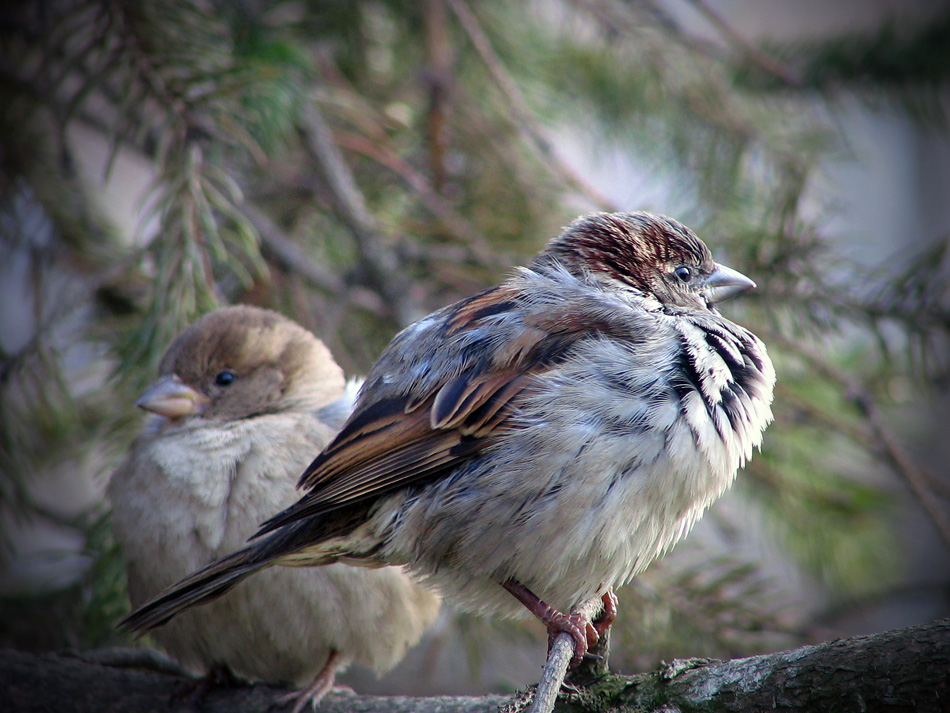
(395, 442)
(362, 441)
(370, 463)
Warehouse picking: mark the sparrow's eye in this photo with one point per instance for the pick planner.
(684, 273)
(225, 378)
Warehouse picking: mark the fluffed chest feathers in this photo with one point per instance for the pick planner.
(227, 478)
(202, 462)
(655, 432)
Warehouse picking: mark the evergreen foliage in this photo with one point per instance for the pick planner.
(357, 164)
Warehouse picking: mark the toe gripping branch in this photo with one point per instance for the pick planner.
(585, 633)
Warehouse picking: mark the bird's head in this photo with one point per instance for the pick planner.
(242, 361)
(651, 254)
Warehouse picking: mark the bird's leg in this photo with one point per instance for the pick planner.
(577, 625)
(322, 684)
(602, 623)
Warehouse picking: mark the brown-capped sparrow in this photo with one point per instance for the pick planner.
(244, 399)
(547, 438)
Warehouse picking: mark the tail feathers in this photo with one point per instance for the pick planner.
(220, 576)
(311, 542)
(203, 586)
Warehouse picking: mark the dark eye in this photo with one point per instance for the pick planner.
(225, 378)
(684, 273)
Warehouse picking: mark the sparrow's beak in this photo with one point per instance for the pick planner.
(172, 398)
(724, 283)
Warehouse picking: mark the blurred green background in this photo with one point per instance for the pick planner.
(358, 164)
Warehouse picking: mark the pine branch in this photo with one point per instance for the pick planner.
(439, 81)
(755, 55)
(906, 64)
(473, 241)
(291, 257)
(912, 474)
(523, 117)
(380, 261)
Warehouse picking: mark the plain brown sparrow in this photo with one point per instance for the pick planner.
(244, 399)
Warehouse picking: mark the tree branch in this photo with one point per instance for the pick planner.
(752, 53)
(558, 658)
(474, 242)
(915, 477)
(894, 672)
(286, 252)
(277, 245)
(524, 118)
(378, 259)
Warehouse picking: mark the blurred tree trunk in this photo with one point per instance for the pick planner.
(902, 670)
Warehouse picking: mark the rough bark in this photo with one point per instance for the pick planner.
(893, 672)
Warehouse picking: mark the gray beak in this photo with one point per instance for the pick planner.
(724, 283)
(172, 398)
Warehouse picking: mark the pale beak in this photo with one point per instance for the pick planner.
(724, 283)
(172, 398)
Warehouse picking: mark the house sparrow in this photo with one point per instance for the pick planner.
(547, 438)
(244, 399)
